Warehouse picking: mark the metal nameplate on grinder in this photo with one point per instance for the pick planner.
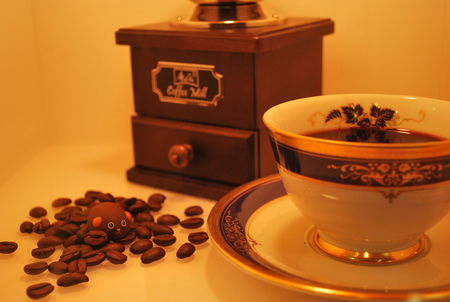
(183, 83)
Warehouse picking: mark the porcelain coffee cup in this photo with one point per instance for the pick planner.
(372, 194)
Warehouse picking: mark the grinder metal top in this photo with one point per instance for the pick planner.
(229, 14)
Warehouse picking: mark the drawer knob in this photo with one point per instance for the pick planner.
(181, 155)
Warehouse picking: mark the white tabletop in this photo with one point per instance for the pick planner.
(69, 171)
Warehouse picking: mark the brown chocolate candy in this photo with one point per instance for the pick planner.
(39, 290)
(153, 254)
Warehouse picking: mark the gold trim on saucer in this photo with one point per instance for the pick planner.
(370, 258)
(240, 252)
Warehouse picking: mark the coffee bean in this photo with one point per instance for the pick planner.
(8, 247)
(105, 197)
(113, 246)
(49, 241)
(142, 232)
(144, 216)
(41, 226)
(84, 249)
(164, 240)
(126, 203)
(168, 219)
(40, 290)
(116, 257)
(133, 225)
(70, 279)
(84, 201)
(82, 232)
(157, 197)
(26, 227)
(192, 223)
(198, 237)
(58, 267)
(148, 224)
(159, 229)
(94, 257)
(193, 211)
(72, 240)
(185, 250)
(70, 209)
(127, 239)
(35, 268)
(153, 254)
(140, 246)
(154, 206)
(63, 232)
(138, 207)
(60, 202)
(71, 253)
(92, 193)
(38, 212)
(78, 217)
(43, 252)
(61, 216)
(73, 228)
(96, 238)
(77, 266)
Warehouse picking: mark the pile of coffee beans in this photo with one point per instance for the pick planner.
(81, 248)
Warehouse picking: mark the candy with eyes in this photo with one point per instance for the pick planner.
(110, 218)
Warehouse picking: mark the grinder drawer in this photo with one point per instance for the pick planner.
(202, 151)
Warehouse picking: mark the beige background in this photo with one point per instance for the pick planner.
(64, 81)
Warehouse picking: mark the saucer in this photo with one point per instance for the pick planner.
(258, 228)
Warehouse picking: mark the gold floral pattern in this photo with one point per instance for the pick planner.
(235, 234)
(390, 174)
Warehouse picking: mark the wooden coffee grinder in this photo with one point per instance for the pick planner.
(201, 85)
